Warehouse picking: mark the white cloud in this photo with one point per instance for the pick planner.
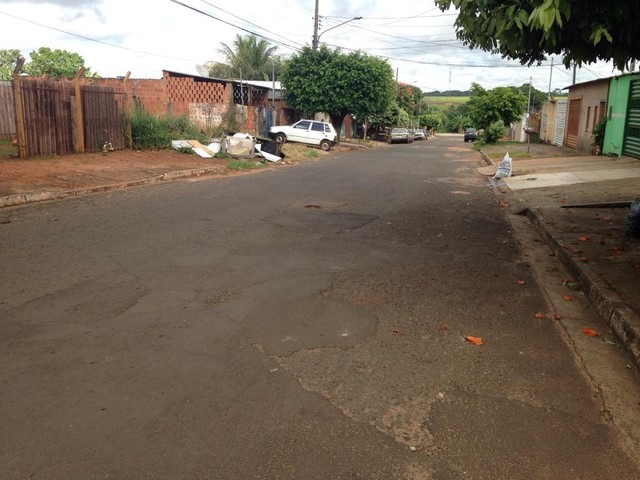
(145, 37)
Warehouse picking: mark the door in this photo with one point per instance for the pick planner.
(632, 126)
(561, 116)
(573, 122)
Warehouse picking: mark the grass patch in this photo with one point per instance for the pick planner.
(511, 154)
(311, 154)
(155, 132)
(244, 165)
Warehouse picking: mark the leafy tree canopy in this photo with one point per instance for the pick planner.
(249, 58)
(528, 30)
(501, 103)
(338, 84)
(54, 63)
(44, 61)
(538, 97)
(8, 59)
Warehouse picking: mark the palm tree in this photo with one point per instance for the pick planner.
(250, 58)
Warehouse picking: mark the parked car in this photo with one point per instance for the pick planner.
(399, 135)
(470, 135)
(310, 132)
(419, 134)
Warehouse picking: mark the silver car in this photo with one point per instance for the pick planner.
(399, 135)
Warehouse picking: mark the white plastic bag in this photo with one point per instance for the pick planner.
(504, 168)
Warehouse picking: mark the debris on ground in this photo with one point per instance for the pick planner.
(475, 340)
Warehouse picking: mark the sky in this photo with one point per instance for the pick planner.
(145, 37)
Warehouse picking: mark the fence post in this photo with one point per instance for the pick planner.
(21, 135)
(128, 111)
(77, 118)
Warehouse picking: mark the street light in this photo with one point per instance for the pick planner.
(316, 38)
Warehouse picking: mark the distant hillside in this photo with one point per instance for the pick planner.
(449, 93)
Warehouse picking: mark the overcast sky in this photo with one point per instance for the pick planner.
(148, 36)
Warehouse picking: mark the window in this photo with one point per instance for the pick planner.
(603, 110)
(327, 128)
(595, 116)
(317, 127)
(586, 127)
(303, 125)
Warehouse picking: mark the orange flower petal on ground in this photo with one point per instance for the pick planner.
(520, 282)
(590, 332)
(584, 238)
(568, 298)
(475, 340)
(539, 315)
(557, 316)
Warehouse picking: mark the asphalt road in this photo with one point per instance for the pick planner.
(306, 322)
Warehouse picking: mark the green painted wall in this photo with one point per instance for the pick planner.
(617, 105)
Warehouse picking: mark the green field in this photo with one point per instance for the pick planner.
(446, 100)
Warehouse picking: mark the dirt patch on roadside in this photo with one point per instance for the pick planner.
(88, 170)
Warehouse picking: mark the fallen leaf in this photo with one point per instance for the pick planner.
(397, 333)
(584, 238)
(606, 219)
(475, 340)
(540, 316)
(609, 342)
(568, 298)
(557, 316)
(590, 332)
(520, 282)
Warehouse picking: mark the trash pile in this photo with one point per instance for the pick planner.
(504, 170)
(238, 145)
(632, 226)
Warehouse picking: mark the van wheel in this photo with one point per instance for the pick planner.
(325, 145)
(281, 138)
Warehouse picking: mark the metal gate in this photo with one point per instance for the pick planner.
(573, 122)
(632, 127)
(561, 117)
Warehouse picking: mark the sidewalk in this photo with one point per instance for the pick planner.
(579, 205)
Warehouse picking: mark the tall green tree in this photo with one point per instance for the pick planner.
(8, 59)
(582, 31)
(249, 58)
(55, 63)
(338, 84)
(501, 103)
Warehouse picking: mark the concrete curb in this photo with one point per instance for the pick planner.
(24, 198)
(624, 322)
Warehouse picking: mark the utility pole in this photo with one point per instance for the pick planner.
(574, 73)
(529, 99)
(550, 76)
(314, 42)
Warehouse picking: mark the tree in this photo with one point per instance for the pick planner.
(248, 58)
(526, 30)
(338, 84)
(55, 63)
(501, 103)
(8, 60)
(537, 97)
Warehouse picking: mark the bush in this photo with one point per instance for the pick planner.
(153, 132)
(494, 132)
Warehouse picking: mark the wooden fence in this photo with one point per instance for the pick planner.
(59, 117)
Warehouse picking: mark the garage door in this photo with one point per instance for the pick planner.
(632, 128)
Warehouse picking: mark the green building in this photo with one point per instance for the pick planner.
(622, 134)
